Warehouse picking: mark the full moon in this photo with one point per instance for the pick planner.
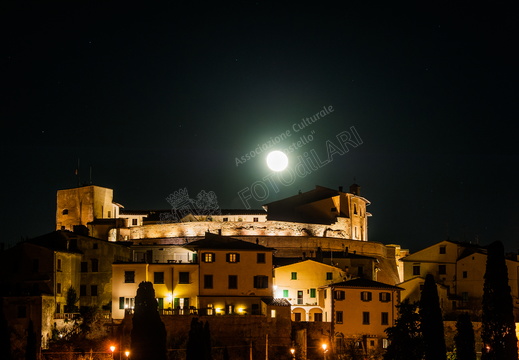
(277, 160)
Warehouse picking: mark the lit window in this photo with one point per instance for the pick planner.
(233, 257)
(273, 313)
(209, 257)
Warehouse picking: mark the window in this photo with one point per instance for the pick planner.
(318, 317)
(365, 317)
(329, 276)
(134, 222)
(384, 320)
(365, 295)
(416, 269)
(109, 214)
(95, 246)
(233, 257)
(260, 258)
(93, 290)
(82, 290)
(84, 266)
(384, 296)
(312, 293)
(129, 277)
(58, 265)
(339, 295)
(22, 311)
(442, 269)
(225, 219)
(95, 265)
(465, 274)
(35, 265)
(58, 288)
(355, 209)
(208, 257)
(338, 317)
(385, 343)
(443, 249)
(233, 281)
(208, 281)
(297, 317)
(255, 219)
(285, 293)
(261, 282)
(65, 212)
(183, 277)
(158, 277)
(126, 303)
(293, 276)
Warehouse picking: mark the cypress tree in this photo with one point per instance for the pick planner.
(148, 332)
(498, 325)
(5, 335)
(405, 337)
(464, 338)
(432, 321)
(30, 349)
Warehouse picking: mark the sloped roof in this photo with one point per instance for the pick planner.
(365, 283)
(276, 301)
(218, 242)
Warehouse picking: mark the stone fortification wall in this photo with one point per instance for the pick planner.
(341, 229)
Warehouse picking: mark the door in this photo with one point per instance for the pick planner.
(299, 297)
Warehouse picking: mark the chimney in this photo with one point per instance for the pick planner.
(340, 188)
(355, 189)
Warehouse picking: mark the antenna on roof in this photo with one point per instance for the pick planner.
(77, 174)
(90, 174)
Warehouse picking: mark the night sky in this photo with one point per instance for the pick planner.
(157, 98)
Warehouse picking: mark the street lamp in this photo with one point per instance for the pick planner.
(293, 352)
(127, 353)
(112, 349)
(324, 346)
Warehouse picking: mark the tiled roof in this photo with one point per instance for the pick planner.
(276, 302)
(217, 242)
(365, 283)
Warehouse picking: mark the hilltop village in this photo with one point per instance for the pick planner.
(299, 274)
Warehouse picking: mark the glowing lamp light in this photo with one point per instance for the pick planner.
(112, 348)
(127, 353)
(277, 160)
(324, 346)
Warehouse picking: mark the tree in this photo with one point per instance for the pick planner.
(199, 341)
(405, 337)
(72, 300)
(498, 325)
(30, 348)
(464, 338)
(432, 321)
(5, 335)
(148, 337)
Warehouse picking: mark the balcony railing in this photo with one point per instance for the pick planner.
(67, 316)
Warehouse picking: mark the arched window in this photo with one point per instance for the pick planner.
(65, 211)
